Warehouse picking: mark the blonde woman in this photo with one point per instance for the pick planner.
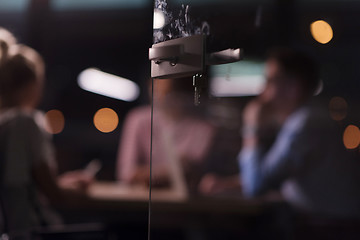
(27, 164)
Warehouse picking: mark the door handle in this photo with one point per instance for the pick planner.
(225, 56)
(166, 53)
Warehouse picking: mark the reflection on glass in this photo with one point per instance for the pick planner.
(178, 22)
(106, 120)
(55, 121)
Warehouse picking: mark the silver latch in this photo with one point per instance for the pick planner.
(187, 57)
(178, 57)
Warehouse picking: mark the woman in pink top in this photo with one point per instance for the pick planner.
(179, 136)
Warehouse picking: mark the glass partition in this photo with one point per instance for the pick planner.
(196, 118)
(202, 184)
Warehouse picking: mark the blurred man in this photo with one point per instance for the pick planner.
(289, 145)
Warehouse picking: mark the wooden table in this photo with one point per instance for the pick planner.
(119, 205)
(114, 198)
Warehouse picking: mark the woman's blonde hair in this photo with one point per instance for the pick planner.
(20, 66)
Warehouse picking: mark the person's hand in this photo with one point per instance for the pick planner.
(75, 180)
(211, 184)
(260, 123)
(141, 176)
(251, 123)
(160, 177)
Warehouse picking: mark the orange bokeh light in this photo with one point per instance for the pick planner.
(55, 121)
(106, 120)
(321, 31)
(351, 137)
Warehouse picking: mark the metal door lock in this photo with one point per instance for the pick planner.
(187, 57)
(178, 57)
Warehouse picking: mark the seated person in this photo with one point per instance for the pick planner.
(307, 160)
(181, 138)
(27, 164)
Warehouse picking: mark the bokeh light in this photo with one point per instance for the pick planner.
(159, 19)
(109, 85)
(55, 121)
(321, 31)
(106, 120)
(338, 108)
(351, 137)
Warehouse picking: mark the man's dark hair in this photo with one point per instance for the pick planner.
(297, 64)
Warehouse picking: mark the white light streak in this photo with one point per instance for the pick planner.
(108, 85)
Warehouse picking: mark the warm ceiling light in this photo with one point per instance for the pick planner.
(106, 120)
(321, 31)
(108, 85)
